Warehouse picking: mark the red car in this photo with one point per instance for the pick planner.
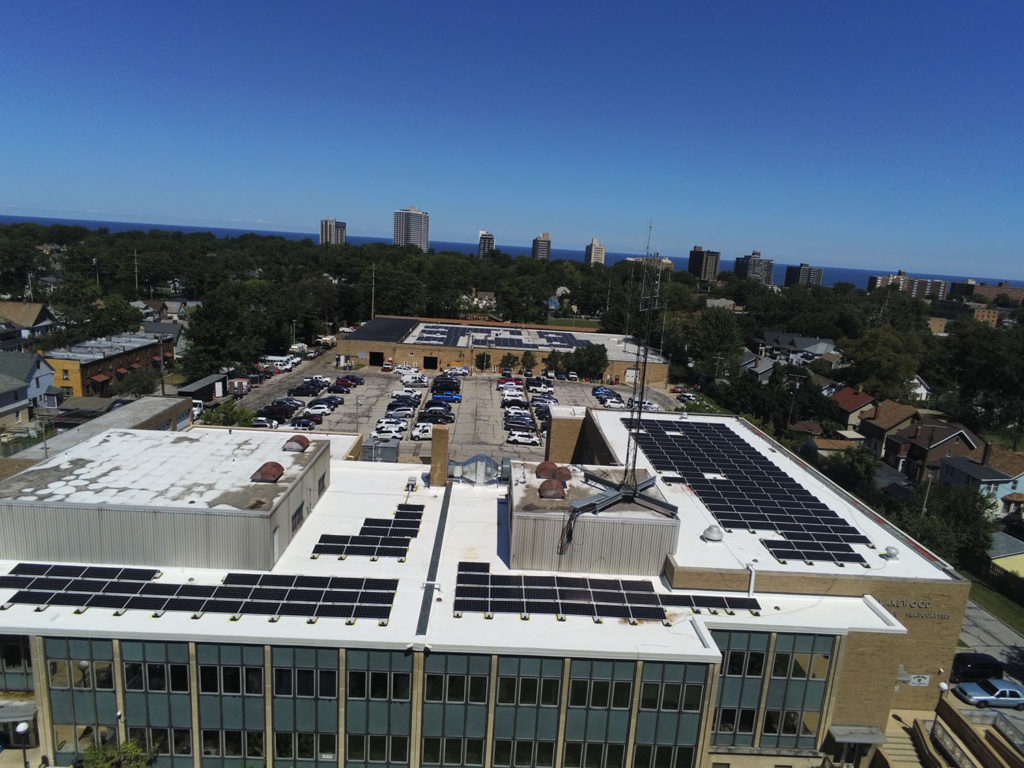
(510, 380)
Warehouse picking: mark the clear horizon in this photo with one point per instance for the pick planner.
(836, 135)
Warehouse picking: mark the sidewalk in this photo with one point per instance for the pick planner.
(983, 632)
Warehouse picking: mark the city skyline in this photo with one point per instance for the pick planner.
(836, 135)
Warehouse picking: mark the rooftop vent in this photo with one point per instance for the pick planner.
(552, 489)
(270, 472)
(712, 533)
(563, 474)
(297, 444)
(546, 470)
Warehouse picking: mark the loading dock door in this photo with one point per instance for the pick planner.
(631, 374)
(377, 358)
(430, 363)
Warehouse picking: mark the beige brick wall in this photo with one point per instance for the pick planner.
(439, 455)
(562, 439)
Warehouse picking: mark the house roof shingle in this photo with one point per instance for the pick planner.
(851, 400)
(19, 365)
(23, 314)
(1010, 463)
(889, 413)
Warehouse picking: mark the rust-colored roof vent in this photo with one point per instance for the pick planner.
(270, 472)
(297, 444)
(552, 489)
(546, 470)
(563, 474)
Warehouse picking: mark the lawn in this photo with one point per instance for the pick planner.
(1000, 606)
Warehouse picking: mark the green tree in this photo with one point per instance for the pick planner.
(143, 381)
(716, 341)
(127, 755)
(482, 361)
(953, 522)
(228, 414)
(529, 360)
(885, 362)
(509, 360)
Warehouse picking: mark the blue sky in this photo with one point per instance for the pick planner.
(867, 134)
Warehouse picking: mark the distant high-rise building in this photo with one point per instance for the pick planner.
(753, 267)
(332, 232)
(594, 252)
(803, 275)
(485, 244)
(542, 247)
(412, 227)
(704, 264)
(921, 287)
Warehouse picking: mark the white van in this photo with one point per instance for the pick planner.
(414, 380)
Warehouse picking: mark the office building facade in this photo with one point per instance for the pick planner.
(594, 252)
(332, 232)
(753, 267)
(542, 247)
(485, 243)
(704, 264)
(804, 274)
(919, 287)
(412, 227)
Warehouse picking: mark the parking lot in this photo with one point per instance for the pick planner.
(478, 426)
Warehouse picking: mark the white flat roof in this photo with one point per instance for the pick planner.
(740, 547)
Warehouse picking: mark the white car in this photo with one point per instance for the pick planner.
(319, 410)
(386, 433)
(403, 412)
(422, 431)
(614, 405)
(541, 389)
(264, 423)
(406, 392)
(646, 405)
(573, 376)
(399, 424)
(523, 438)
(516, 411)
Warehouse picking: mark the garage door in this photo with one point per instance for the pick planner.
(430, 363)
(377, 358)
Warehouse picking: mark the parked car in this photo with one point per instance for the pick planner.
(646, 405)
(572, 376)
(334, 400)
(320, 410)
(560, 375)
(301, 422)
(509, 380)
(305, 391)
(340, 389)
(544, 400)
(522, 438)
(445, 385)
(293, 402)
(348, 380)
(972, 667)
(991, 693)
(600, 389)
(686, 397)
(442, 416)
(401, 424)
(528, 372)
(315, 416)
(615, 405)
(422, 431)
(263, 422)
(401, 412)
(448, 397)
(406, 392)
(435, 403)
(277, 414)
(387, 432)
(540, 389)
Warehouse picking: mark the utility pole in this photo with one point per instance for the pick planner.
(373, 291)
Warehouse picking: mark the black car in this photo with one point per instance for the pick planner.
(410, 402)
(277, 414)
(520, 424)
(435, 403)
(340, 389)
(444, 416)
(445, 385)
(435, 417)
(304, 391)
(974, 667)
(514, 403)
(302, 422)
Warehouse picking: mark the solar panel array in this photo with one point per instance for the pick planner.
(477, 590)
(510, 338)
(743, 489)
(379, 537)
(267, 594)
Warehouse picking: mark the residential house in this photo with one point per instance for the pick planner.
(14, 404)
(919, 390)
(1006, 553)
(29, 319)
(853, 403)
(36, 373)
(793, 348)
(761, 367)
(998, 476)
(89, 368)
(918, 449)
(171, 332)
(886, 418)
(820, 447)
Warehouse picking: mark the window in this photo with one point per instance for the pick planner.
(231, 679)
(283, 681)
(356, 684)
(305, 746)
(593, 755)
(58, 671)
(379, 686)
(284, 745)
(254, 743)
(254, 681)
(209, 678)
(381, 749)
(211, 743)
(65, 375)
(780, 668)
(297, 517)
(232, 744)
(156, 677)
(328, 685)
(179, 678)
(578, 693)
(305, 683)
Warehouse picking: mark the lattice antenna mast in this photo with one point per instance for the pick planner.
(649, 295)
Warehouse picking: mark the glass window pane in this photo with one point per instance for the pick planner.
(456, 688)
(593, 755)
(755, 664)
(622, 694)
(328, 683)
(356, 685)
(283, 681)
(528, 690)
(305, 683)
(179, 678)
(305, 746)
(502, 752)
(433, 688)
(613, 756)
(746, 722)
(399, 749)
(650, 695)
(789, 723)
(735, 662)
(81, 670)
(378, 687)
(474, 750)
(523, 754)
(477, 691)
(254, 743)
(132, 677)
(506, 690)
(549, 688)
(182, 741)
(161, 742)
(578, 690)
(254, 681)
(671, 694)
(809, 725)
(599, 693)
(328, 746)
(209, 679)
(642, 756)
(573, 754)
(801, 665)
(356, 751)
(211, 743)
(781, 666)
(726, 721)
(431, 751)
(233, 744)
(453, 751)
(378, 747)
(819, 666)
(283, 744)
(139, 736)
(231, 679)
(59, 673)
(771, 722)
(13, 656)
(156, 677)
(691, 697)
(663, 757)
(545, 754)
